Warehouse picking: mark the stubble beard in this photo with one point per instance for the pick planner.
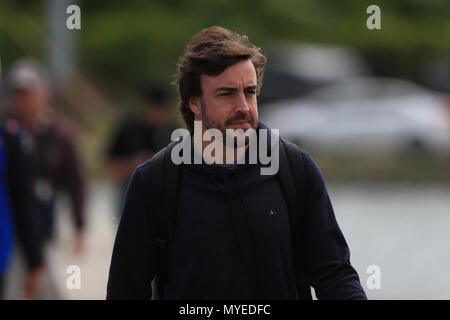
(211, 124)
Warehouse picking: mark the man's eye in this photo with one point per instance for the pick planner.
(225, 94)
(251, 92)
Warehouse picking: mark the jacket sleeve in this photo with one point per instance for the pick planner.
(72, 177)
(132, 265)
(327, 254)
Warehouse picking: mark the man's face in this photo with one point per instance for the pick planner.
(229, 99)
(28, 102)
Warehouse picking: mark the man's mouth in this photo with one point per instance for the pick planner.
(240, 124)
(243, 122)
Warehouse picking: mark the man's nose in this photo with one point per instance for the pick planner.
(241, 104)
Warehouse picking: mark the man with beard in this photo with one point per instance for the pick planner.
(231, 235)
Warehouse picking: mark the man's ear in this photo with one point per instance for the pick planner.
(195, 105)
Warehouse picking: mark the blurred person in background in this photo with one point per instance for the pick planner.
(17, 215)
(140, 136)
(56, 162)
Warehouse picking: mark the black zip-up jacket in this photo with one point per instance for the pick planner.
(232, 239)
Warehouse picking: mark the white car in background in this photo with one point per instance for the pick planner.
(296, 69)
(364, 114)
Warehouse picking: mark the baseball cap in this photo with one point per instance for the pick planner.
(27, 74)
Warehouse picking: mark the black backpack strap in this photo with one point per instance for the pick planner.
(163, 188)
(293, 183)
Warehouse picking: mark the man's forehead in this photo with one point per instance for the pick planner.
(241, 73)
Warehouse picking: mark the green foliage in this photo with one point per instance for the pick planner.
(127, 42)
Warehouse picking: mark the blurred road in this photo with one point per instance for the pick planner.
(100, 234)
(403, 229)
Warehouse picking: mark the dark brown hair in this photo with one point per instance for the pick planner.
(210, 52)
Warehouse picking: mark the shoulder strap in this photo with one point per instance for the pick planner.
(291, 174)
(293, 183)
(163, 187)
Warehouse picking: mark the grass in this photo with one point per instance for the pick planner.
(404, 166)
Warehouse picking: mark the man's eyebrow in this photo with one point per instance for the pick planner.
(251, 88)
(225, 89)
